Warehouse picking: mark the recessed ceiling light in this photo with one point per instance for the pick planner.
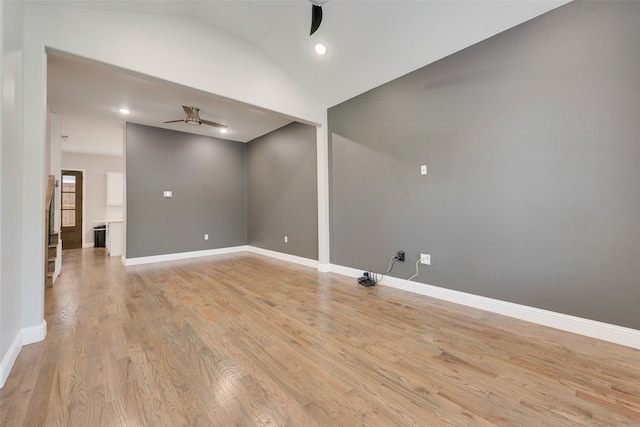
(124, 111)
(320, 49)
(223, 130)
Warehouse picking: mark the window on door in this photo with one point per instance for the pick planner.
(69, 200)
(71, 209)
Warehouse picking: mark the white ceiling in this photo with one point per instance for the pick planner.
(87, 96)
(369, 43)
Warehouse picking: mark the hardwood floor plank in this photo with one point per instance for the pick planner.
(116, 414)
(36, 412)
(245, 340)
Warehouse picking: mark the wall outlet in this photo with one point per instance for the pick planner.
(167, 194)
(425, 259)
(423, 170)
(400, 256)
(286, 239)
(206, 237)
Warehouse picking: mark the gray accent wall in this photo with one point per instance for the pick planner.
(283, 192)
(207, 177)
(532, 143)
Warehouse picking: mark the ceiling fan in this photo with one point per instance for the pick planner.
(193, 118)
(316, 14)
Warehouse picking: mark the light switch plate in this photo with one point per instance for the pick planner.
(168, 194)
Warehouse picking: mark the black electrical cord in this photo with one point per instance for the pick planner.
(373, 277)
(392, 263)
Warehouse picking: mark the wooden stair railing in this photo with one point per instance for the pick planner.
(51, 238)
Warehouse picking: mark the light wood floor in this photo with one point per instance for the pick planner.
(244, 340)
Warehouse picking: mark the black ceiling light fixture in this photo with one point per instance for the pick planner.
(316, 14)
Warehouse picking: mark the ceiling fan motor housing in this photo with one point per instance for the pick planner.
(193, 118)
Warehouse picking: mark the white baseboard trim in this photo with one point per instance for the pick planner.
(88, 245)
(209, 252)
(181, 255)
(23, 337)
(345, 271)
(578, 325)
(34, 333)
(284, 257)
(324, 268)
(10, 358)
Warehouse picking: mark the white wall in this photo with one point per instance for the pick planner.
(55, 160)
(55, 163)
(11, 53)
(95, 188)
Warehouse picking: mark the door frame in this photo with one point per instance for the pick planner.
(84, 204)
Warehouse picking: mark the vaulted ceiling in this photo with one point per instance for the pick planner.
(369, 43)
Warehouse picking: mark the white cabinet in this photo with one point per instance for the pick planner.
(115, 232)
(115, 189)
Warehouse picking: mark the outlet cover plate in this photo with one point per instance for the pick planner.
(425, 259)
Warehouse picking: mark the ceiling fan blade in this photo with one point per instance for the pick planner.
(316, 18)
(210, 123)
(175, 121)
(188, 110)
